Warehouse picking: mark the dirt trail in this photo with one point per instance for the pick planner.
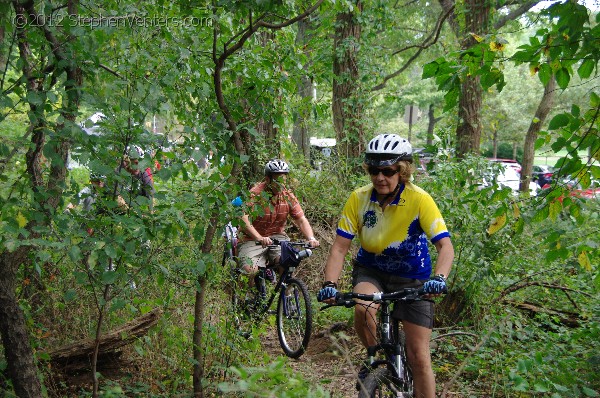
(330, 360)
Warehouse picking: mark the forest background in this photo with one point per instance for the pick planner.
(241, 82)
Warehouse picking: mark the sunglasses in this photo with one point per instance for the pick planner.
(386, 172)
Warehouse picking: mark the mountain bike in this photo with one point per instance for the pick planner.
(294, 309)
(388, 372)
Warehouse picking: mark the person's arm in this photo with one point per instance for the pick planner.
(445, 257)
(304, 226)
(335, 260)
(249, 230)
(436, 285)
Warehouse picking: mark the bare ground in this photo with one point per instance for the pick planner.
(330, 360)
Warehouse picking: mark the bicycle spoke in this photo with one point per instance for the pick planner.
(294, 318)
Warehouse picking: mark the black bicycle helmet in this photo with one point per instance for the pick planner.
(387, 149)
(276, 166)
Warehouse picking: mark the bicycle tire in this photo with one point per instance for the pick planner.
(377, 384)
(406, 374)
(294, 318)
(232, 287)
(380, 383)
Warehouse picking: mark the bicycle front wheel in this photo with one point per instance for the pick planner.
(294, 318)
(381, 384)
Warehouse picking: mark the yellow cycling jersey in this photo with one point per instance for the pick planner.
(394, 240)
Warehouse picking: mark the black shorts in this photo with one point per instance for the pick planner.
(418, 312)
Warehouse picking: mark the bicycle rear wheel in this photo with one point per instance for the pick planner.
(381, 384)
(294, 318)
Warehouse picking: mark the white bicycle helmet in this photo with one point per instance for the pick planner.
(387, 149)
(276, 166)
(135, 152)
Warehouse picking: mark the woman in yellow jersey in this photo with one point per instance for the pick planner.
(393, 220)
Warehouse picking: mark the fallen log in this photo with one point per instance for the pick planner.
(75, 357)
(566, 318)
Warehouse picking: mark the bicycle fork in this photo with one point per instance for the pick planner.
(391, 345)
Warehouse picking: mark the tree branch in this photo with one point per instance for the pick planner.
(428, 42)
(515, 13)
(442, 336)
(522, 285)
(293, 20)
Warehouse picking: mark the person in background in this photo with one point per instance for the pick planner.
(270, 203)
(393, 220)
(141, 183)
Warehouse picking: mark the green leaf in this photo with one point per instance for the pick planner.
(540, 386)
(109, 277)
(545, 74)
(117, 304)
(589, 392)
(75, 253)
(594, 98)
(430, 70)
(563, 77)
(555, 208)
(524, 365)
(560, 388)
(558, 121)
(110, 251)
(70, 295)
(520, 383)
(541, 215)
(34, 98)
(586, 68)
(201, 267)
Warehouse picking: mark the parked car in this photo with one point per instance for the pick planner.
(575, 189)
(507, 177)
(508, 162)
(321, 150)
(542, 174)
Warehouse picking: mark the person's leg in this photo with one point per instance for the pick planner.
(251, 257)
(365, 315)
(273, 255)
(419, 359)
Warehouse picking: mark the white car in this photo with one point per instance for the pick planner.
(509, 177)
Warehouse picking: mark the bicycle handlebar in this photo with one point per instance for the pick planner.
(277, 242)
(307, 252)
(347, 299)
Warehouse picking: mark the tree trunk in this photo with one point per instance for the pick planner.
(300, 135)
(3, 58)
(197, 338)
(432, 120)
(495, 142)
(21, 367)
(346, 106)
(472, 17)
(541, 114)
(468, 131)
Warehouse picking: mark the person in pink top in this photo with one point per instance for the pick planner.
(269, 205)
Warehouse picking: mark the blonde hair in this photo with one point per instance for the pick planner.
(405, 170)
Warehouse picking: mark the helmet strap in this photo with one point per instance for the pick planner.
(389, 195)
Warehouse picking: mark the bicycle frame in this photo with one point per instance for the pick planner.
(293, 310)
(389, 342)
(279, 288)
(288, 271)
